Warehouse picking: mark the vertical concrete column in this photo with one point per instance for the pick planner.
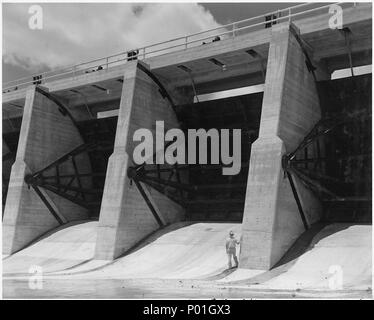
(271, 221)
(125, 218)
(46, 134)
(7, 163)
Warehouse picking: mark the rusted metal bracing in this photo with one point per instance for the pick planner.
(68, 186)
(167, 180)
(325, 172)
(139, 173)
(298, 202)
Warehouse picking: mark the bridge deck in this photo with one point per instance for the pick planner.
(241, 69)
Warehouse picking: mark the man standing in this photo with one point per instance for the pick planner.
(231, 243)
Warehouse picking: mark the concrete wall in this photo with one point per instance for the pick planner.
(45, 136)
(125, 218)
(271, 221)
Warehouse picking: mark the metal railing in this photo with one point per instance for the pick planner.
(231, 30)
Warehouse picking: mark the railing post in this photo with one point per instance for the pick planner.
(185, 42)
(144, 53)
(107, 62)
(74, 71)
(233, 30)
(289, 15)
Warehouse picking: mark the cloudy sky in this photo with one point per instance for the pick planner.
(73, 33)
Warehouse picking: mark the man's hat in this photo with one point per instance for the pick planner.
(231, 233)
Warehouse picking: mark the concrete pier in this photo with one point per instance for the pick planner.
(290, 109)
(7, 163)
(46, 134)
(125, 218)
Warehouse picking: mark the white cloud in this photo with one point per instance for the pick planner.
(78, 32)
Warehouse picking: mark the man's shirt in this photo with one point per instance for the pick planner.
(231, 244)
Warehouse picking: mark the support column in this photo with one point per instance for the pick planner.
(46, 134)
(8, 159)
(125, 218)
(272, 221)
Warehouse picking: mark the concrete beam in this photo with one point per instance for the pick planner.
(247, 69)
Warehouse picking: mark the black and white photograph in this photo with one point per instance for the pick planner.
(186, 151)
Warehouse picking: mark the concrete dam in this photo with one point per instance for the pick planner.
(305, 146)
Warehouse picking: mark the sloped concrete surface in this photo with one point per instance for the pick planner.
(338, 258)
(188, 251)
(181, 250)
(60, 249)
